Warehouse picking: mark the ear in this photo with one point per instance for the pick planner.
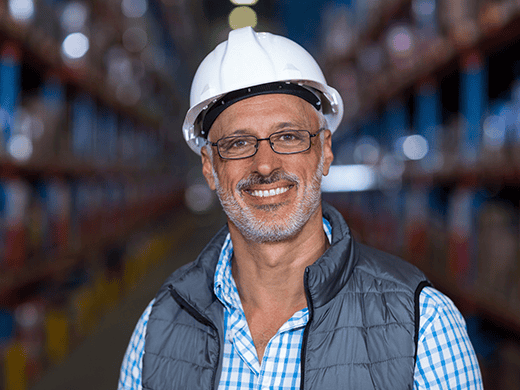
(207, 168)
(327, 149)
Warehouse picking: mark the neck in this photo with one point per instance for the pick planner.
(269, 276)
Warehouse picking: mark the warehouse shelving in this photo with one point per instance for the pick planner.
(77, 215)
(433, 214)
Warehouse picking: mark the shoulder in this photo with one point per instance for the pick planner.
(435, 301)
(445, 356)
(197, 273)
(383, 266)
(164, 306)
(437, 308)
(178, 275)
(131, 367)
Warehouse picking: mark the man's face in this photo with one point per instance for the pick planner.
(269, 197)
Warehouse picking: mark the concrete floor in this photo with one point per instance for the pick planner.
(95, 364)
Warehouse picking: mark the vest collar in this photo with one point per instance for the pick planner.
(194, 282)
(327, 276)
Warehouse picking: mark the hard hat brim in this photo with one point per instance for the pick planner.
(331, 105)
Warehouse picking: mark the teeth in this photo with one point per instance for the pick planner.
(267, 193)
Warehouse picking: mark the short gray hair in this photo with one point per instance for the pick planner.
(322, 120)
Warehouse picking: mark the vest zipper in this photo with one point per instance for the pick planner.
(199, 317)
(306, 329)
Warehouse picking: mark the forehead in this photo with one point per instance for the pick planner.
(265, 114)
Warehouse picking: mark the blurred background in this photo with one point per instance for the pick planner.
(100, 198)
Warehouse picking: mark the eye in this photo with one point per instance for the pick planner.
(289, 137)
(235, 143)
(240, 143)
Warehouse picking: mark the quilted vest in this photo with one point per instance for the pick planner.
(362, 329)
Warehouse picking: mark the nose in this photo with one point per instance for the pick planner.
(265, 161)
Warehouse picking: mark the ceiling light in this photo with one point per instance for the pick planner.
(75, 45)
(242, 17)
(244, 2)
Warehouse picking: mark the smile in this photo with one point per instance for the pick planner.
(272, 192)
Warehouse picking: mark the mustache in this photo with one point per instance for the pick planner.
(256, 179)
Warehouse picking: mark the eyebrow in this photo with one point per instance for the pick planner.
(277, 127)
(284, 125)
(239, 132)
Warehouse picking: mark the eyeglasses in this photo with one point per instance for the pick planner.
(237, 147)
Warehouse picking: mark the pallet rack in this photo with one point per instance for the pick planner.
(434, 215)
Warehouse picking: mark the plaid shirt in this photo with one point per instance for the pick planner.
(445, 356)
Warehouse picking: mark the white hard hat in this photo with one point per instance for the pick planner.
(251, 63)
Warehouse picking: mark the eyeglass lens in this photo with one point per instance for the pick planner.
(284, 142)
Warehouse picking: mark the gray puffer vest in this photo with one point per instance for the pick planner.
(362, 331)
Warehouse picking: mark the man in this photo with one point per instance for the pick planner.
(283, 297)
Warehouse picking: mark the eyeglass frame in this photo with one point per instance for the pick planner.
(264, 139)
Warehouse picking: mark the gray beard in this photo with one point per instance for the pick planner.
(267, 230)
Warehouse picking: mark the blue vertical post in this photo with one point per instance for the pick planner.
(106, 141)
(301, 21)
(427, 112)
(53, 92)
(111, 129)
(10, 86)
(396, 122)
(83, 115)
(473, 93)
(371, 126)
(2, 225)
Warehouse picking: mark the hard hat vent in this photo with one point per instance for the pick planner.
(245, 59)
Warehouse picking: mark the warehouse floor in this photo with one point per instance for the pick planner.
(95, 363)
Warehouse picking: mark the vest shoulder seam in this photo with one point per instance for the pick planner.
(406, 288)
(181, 273)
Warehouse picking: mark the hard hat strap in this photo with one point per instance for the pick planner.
(235, 96)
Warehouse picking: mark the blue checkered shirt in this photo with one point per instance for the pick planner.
(445, 356)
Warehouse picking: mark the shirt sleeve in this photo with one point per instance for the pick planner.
(445, 356)
(130, 374)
